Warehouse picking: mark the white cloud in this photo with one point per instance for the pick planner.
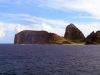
(48, 28)
(89, 6)
(38, 23)
(2, 33)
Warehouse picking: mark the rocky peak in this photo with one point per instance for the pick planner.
(93, 38)
(71, 26)
(73, 33)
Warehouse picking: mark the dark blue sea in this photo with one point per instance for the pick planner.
(49, 59)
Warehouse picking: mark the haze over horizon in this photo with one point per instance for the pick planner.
(49, 15)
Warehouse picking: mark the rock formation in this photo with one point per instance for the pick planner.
(93, 38)
(29, 37)
(74, 34)
(37, 37)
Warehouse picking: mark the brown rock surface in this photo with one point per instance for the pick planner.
(29, 37)
(37, 37)
(73, 33)
(93, 38)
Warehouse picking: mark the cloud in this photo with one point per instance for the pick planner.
(35, 23)
(2, 34)
(89, 6)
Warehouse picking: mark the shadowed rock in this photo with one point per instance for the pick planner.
(30, 37)
(37, 37)
(93, 38)
(74, 34)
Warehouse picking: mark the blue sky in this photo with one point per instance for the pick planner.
(49, 15)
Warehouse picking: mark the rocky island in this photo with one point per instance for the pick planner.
(72, 36)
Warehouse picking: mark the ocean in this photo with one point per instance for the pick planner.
(49, 59)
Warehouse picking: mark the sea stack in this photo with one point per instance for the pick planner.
(38, 37)
(72, 33)
(93, 38)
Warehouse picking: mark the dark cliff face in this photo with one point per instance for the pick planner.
(93, 38)
(37, 37)
(29, 37)
(73, 33)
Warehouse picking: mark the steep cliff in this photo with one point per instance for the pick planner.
(73, 33)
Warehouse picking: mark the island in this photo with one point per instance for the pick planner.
(72, 35)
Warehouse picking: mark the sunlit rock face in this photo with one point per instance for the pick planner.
(73, 33)
(37, 37)
(93, 38)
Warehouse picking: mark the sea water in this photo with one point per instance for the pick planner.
(49, 59)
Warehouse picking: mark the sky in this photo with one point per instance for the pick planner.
(49, 15)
